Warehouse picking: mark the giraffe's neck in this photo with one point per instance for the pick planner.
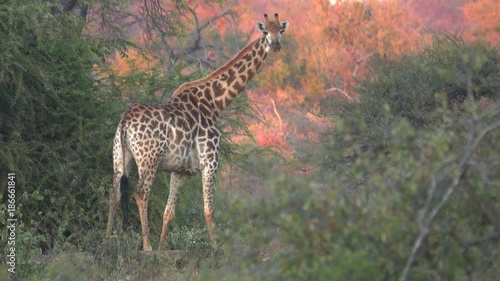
(217, 90)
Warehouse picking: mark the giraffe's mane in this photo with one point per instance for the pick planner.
(219, 71)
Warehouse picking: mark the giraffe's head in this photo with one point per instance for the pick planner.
(273, 31)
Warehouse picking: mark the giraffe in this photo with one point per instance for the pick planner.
(181, 137)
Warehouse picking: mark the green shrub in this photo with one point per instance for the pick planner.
(407, 199)
(407, 88)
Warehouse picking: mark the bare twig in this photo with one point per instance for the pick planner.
(361, 60)
(423, 223)
(344, 93)
(479, 240)
(277, 114)
(197, 33)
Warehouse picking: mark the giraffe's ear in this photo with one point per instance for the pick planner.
(283, 25)
(261, 27)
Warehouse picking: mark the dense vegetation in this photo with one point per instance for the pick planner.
(412, 180)
(55, 126)
(405, 185)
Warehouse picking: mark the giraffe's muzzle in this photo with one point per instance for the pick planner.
(276, 46)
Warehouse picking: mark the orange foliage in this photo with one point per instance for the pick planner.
(439, 15)
(361, 29)
(483, 20)
(326, 48)
(133, 61)
(475, 19)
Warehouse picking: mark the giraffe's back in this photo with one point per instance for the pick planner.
(163, 136)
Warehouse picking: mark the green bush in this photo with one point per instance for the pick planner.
(422, 205)
(432, 192)
(406, 89)
(411, 171)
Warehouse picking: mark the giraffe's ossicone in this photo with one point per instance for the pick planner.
(180, 136)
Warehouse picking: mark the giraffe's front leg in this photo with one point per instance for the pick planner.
(176, 181)
(208, 175)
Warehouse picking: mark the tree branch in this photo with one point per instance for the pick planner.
(277, 114)
(198, 30)
(344, 93)
(424, 224)
(361, 60)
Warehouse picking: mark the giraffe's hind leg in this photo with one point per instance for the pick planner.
(176, 181)
(114, 198)
(147, 169)
(120, 162)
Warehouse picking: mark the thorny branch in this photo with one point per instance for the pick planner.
(159, 21)
(111, 19)
(197, 45)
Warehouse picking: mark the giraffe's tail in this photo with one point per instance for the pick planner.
(124, 198)
(124, 189)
